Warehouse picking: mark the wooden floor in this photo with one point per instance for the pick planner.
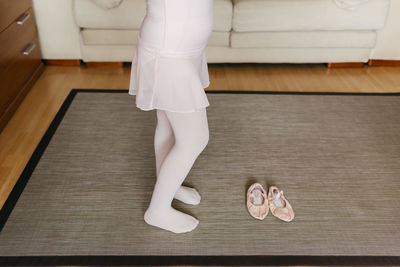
(22, 134)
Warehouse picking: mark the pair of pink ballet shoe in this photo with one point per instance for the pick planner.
(259, 204)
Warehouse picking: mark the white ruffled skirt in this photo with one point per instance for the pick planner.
(169, 69)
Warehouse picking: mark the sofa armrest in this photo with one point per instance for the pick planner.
(388, 41)
(58, 33)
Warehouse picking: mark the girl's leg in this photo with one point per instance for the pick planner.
(191, 137)
(163, 141)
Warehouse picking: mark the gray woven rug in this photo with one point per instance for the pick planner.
(335, 156)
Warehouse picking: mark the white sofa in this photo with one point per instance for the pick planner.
(287, 31)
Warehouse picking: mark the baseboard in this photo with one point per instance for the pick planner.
(383, 62)
(345, 64)
(62, 62)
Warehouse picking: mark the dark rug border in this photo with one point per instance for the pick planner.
(233, 260)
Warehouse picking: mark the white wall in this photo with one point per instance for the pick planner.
(388, 42)
(58, 33)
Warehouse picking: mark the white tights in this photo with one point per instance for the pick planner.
(178, 141)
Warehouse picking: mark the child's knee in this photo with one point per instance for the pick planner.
(190, 130)
(194, 142)
(203, 139)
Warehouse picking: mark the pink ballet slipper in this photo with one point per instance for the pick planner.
(257, 203)
(284, 212)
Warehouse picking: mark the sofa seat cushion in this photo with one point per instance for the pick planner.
(360, 39)
(129, 14)
(306, 15)
(129, 37)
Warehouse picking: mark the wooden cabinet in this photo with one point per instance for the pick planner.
(20, 57)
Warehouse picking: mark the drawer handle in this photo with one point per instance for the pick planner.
(29, 49)
(23, 18)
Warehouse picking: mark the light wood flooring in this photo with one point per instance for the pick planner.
(23, 133)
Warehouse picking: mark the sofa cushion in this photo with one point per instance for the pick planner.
(130, 13)
(306, 15)
(317, 39)
(129, 37)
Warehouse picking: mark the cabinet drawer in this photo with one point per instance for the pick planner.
(14, 77)
(10, 10)
(15, 38)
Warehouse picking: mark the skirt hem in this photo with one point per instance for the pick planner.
(177, 111)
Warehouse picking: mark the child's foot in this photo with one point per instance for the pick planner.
(171, 220)
(188, 195)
